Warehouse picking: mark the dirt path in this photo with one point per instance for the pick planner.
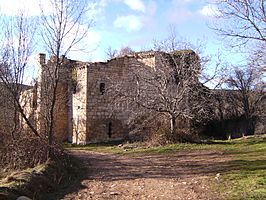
(183, 175)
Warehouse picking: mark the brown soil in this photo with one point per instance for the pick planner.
(182, 175)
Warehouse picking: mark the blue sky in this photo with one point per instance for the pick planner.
(136, 23)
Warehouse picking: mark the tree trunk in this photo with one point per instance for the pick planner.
(172, 126)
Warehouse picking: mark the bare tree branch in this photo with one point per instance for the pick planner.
(242, 20)
(63, 28)
(17, 48)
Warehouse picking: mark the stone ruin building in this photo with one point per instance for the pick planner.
(82, 111)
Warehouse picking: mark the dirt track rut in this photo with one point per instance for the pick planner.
(182, 175)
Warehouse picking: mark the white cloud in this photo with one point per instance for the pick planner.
(137, 5)
(28, 7)
(209, 11)
(129, 22)
(96, 10)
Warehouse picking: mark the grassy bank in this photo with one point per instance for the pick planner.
(40, 181)
(246, 178)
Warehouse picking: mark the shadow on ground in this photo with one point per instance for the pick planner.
(181, 165)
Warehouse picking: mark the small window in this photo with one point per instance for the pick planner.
(102, 88)
(34, 103)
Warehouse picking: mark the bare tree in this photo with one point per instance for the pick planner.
(257, 58)
(111, 53)
(211, 65)
(243, 23)
(249, 94)
(63, 28)
(125, 51)
(173, 42)
(169, 89)
(242, 20)
(16, 50)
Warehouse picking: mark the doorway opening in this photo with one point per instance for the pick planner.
(109, 129)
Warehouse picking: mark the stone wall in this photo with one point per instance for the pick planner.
(79, 104)
(9, 116)
(94, 117)
(29, 104)
(102, 122)
(62, 109)
(7, 113)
